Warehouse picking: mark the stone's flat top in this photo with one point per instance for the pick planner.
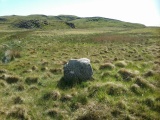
(82, 60)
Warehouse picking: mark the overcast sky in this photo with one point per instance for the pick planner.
(137, 11)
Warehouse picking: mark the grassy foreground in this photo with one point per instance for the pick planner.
(125, 84)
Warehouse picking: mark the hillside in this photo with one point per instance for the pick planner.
(125, 84)
(62, 22)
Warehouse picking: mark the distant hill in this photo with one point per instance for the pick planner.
(62, 22)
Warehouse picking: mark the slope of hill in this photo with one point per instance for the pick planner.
(126, 69)
(62, 22)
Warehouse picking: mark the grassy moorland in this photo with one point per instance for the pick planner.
(125, 61)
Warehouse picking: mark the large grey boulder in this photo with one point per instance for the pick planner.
(8, 56)
(78, 70)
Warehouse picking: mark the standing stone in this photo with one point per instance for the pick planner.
(78, 70)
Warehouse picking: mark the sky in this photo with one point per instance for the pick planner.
(146, 12)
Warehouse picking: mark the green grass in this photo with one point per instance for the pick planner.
(125, 82)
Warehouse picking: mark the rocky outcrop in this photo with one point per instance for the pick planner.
(29, 24)
(71, 25)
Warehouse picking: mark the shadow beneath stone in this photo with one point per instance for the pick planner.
(66, 84)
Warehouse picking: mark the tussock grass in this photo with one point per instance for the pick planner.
(66, 97)
(150, 73)
(3, 83)
(33, 87)
(121, 104)
(31, 80)
(44, 68)
(19, 112)
(98, 112)
(45, 95)
(3, 71)
(121, 64)
(110, 88)
(127, 74)
(17, 100)
(20, 87)
(52, 112)
(136, 89)
(56, 70)
(54, 95)
(11, 78)
(106, 74)
(109, 66)
(144, 83)
(34, 68)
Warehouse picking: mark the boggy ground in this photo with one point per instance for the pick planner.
(125, 84)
